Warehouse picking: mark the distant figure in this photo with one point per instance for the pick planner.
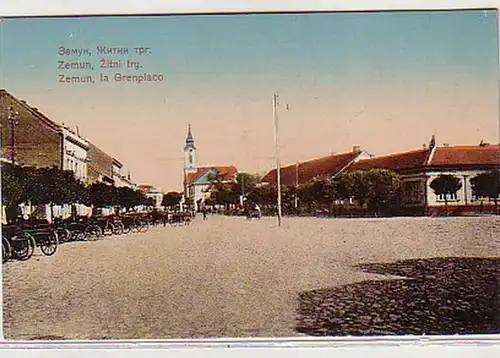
(259, 212)
(204, 211)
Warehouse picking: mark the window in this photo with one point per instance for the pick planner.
(412, 193)
(190, 159)
(451, 197)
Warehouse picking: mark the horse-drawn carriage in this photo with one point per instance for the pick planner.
(20, 240)
(180, 218)
(253, 214)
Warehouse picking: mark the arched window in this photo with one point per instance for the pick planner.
(190, 159)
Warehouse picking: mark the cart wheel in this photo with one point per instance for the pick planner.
(23, 247)
(49, 246)
(98, 231)
(143, 226)
(6, 250)
(126, 229)
(109, 230)
(117, 229)
(90, 233)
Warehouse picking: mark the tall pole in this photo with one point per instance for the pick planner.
(242, 190)
(276, 145)
(296, 185)
(12, 119)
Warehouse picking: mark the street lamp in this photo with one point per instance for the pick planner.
(12, 117)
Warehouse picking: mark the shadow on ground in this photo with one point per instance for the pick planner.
(439, 296)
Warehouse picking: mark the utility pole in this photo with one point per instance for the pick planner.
(296, 185)
(276, 144)
(12, 120)
(242, 189)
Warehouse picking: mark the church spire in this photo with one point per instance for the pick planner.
(189, 153)
(189, 139)
(189, 136)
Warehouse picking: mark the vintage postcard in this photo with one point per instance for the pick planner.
(250, 175)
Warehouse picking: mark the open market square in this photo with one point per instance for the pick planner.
(231, 277)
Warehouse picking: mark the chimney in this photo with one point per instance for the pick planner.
(424, 146)
(77, 130)
(446, 145)
(356, 149)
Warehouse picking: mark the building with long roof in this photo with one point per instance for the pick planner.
(416, 168)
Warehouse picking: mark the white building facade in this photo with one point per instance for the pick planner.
(157, 196)
(74, 156)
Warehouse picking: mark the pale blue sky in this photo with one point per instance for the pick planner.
(339, 46)
(222, 71)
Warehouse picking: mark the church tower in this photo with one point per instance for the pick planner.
(189, 153)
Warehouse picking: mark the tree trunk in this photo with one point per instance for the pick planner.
(74, 213)
(11, 213)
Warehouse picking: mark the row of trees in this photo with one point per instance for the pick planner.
(484, 185)
(52, 186)
(377, 191)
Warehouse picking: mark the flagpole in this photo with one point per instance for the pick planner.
(296, 185)
(276, 145)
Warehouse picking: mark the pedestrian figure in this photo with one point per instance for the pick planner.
(204, 211)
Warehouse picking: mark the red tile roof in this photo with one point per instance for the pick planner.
(414, 159)
(453, 156)
(306, 171)
(466, 156)
(227, 172)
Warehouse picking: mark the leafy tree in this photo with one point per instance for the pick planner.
(128, 198)
(384, 188)
(52, 186)
(244, 183)
(319, 191)
(223, 195)
(13, 185)
(171, 199)
(263, 195)
(287, 198)
(14, 181)
(215, 178)
(209, 201)
(101, 195)
(446, 185)
(378, 189)
(40, 186)
(354, 185)
(487, 185)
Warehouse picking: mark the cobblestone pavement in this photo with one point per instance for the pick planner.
(235, 278)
